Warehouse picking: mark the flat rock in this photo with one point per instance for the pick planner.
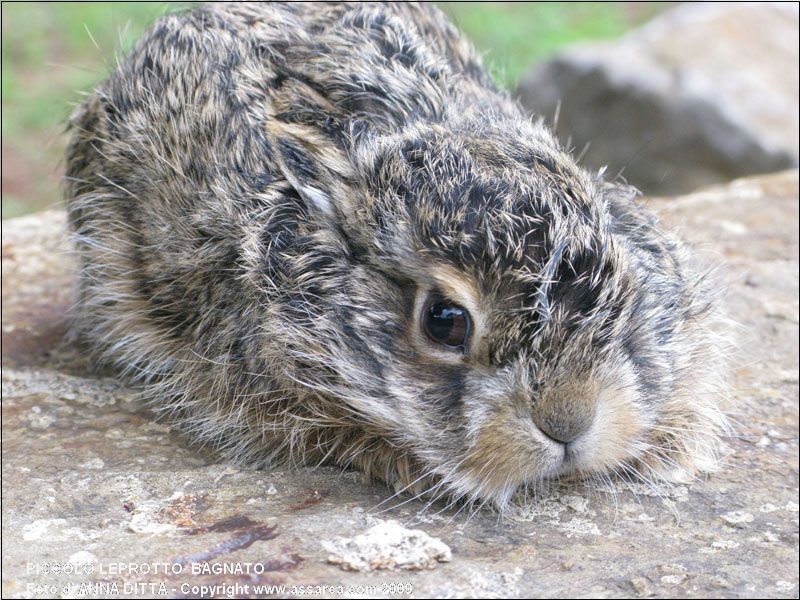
(100, 499)
(704, 93)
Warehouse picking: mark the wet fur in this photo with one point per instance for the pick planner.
(260, 196)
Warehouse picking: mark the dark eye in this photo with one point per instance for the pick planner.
(446, 323)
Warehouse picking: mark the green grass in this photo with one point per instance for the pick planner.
(51, 53)
(514, 35)
(54, 51)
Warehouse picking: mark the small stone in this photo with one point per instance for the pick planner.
(725, 545)
(719, 582)
(38, 529)
(576, 503)
(645, 518)
(487, 584)
(737, 518)
(641, 586)
(733, 227)
(672, 569)
(42, 421)
(81, 558)
(771, 537)
(580, 527)
(788, 376)
(630, 507)
(767, 508)
(673, 574)
(271, 491)
(388, 545)
(673, 580)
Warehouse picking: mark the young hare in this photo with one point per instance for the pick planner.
(321, 233)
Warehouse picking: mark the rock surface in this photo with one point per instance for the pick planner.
(97, 494)
(702, 94)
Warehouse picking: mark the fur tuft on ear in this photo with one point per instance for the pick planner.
(312, 160)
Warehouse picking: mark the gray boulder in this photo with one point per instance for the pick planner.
(702, 94)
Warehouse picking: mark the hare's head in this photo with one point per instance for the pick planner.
(494, 312)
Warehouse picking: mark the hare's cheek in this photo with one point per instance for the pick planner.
(506, 451)
(617, 430)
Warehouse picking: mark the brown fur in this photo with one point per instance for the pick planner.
(263, 196)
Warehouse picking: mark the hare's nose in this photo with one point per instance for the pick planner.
(563, 423)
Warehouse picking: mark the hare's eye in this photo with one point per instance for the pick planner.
(446, 323)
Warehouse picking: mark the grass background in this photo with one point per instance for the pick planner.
(51, 52)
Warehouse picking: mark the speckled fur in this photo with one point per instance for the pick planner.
(262, 194)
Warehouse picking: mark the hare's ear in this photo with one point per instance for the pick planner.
(312, 161)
